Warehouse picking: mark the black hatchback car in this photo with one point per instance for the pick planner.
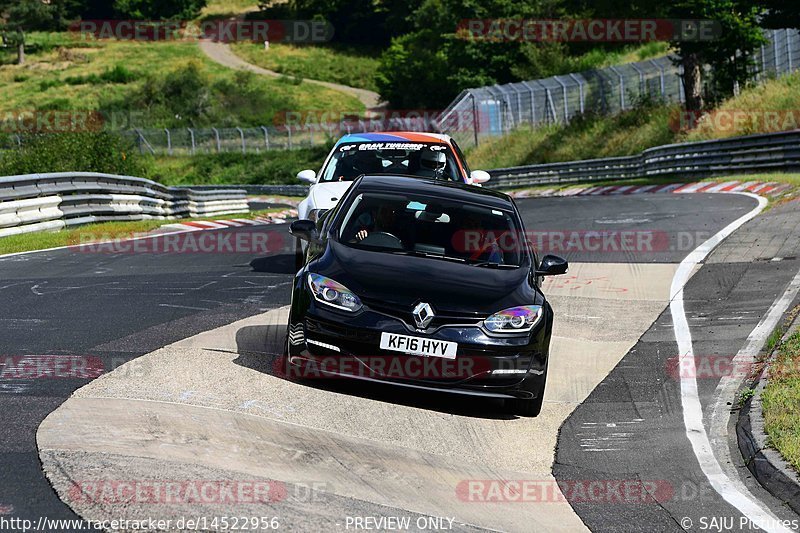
(424, 284)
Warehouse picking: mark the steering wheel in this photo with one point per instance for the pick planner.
(383, 239)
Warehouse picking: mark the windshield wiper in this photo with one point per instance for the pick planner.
(417, 253)
(492, 264)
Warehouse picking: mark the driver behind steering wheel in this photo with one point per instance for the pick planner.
(382, 221)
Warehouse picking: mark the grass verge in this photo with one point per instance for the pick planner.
(781, 401)
(103, 230)
(275, 167)
(347, 66)
(65, 73)
(650, 124)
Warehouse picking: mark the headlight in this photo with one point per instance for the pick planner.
(332, 293)
(514, 320)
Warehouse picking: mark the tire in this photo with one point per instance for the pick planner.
(299, 259)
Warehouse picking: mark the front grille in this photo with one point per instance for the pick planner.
(442, 317)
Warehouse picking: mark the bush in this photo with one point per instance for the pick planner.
(47, 84)
(71, 152)
(118, 74)
(187, 98)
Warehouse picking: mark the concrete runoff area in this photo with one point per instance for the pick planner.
(209, 407)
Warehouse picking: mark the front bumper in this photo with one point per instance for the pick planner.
(325, 343)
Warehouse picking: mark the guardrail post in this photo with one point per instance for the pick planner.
(577, 80)
(621, 87)
(289, 131)
(191, 136)
(775, 48)
(635, 67)
(216, 136)
(241, 134)
(266, 136)
(533, 101)
(552, 105)
(143, 143)
(564, 95)
(476, 124)
(169, 141)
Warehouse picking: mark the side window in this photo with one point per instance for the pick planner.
(460, 155)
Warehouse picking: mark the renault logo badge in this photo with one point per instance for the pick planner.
(423, 315)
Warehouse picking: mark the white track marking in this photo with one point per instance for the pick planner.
(690, 400)
(742, 366)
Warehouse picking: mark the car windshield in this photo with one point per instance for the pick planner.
(433, 227)
(428, 160)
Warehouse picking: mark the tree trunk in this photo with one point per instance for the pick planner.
(692, 82)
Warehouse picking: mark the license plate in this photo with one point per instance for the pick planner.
(418, 345)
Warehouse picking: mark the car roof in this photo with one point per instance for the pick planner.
(451, 189)
(396, 136)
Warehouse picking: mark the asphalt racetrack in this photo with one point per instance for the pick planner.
(182, 344)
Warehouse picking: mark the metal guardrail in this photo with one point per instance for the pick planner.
(283, 190)
(767, 152)
(48, 202)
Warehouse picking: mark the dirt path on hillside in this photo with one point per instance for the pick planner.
(221, 53)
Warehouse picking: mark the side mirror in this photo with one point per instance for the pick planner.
(552, 265)
(309, 176)
(304, 229)
(479, 176)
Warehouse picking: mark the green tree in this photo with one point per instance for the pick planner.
(21, 16)
(362, 22)
(729, 55)
(781, 14)
(159, 9)
(429, 66)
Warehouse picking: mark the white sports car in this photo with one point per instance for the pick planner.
(427, 155)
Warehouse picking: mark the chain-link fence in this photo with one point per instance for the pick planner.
(497, 109)
(190, 141)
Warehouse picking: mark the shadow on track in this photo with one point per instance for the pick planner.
(261, 349)
(275, 264)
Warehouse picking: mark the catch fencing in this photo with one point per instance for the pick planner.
(191, 141)
(497, 109)
(50, 202)
(772, 152)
